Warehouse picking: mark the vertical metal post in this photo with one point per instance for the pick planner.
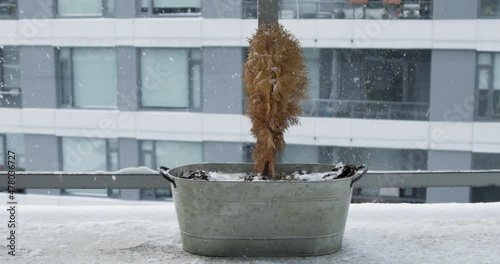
(268, 11)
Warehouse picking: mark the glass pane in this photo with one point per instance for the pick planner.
(113, 154)
(84, 154)
(11, 69)
(8, 8)
(176, 6)
(113, 160)
(3, 157)
(196, 80)
(145, 5)
(177, 3)
(114, 193)
(484, 78)
(175, 154)
(113, 143)
(79, 7)
(485, 161)
(484, 59)
(490, 8)
(196, 54)
(483, 103)
(15, 143)
(312, 61)
(407, 192)
(110, 7)
(66, 77)
(163, 193)
(383, 159)
(148, 160)
(165, 78)
(300, 154)
(147, 145)
(496, 104)
(95, 77)
(496, 73)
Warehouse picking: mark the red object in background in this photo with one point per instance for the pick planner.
(392, 2)
(358, 2)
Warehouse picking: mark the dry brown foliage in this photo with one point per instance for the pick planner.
(276, 81)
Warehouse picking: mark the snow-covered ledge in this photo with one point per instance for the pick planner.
(87, 230)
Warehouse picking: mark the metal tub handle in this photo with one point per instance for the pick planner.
(164, 173)
(362, 169)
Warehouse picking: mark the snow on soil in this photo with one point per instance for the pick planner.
(299, 176)
(147, 232)
(315, 176)
(221, 176)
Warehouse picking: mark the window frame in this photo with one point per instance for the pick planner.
(152, 193)
(491, 88)
(3, 151)
(142, 160)
(149, 13)
(60, 82)
(191, 64)
(110, 193)
(3, 88)
(60, 76)
(105, 12)
(60, 150)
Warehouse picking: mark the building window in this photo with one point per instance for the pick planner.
(10, 77)
(169, 7)
(300, 154)
(380, 159)
(88, 77)
(85, 8)
(3, 153)
(488, 85)
(8, 9)
(485, 161)
(381, 84)
(489, 9)
(89, 155)
(313, 62)
(374, 84)
(14, 143)
(343, 9)
(170, 78)
(170, 154)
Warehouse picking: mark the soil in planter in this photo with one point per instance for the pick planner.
(340, 171)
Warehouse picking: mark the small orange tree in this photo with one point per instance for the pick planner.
(276, 81)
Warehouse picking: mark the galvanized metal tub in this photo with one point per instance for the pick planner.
(258, 218)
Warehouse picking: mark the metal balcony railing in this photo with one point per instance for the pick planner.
(366, 109)
(10, 97)
(373, 179)
(343, 9)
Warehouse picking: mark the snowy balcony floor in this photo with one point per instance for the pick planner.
(87, 230)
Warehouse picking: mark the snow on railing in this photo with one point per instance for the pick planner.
(138, 178)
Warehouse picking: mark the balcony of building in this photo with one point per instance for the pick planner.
(347, 9)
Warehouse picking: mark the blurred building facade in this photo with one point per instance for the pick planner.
(89, 85)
